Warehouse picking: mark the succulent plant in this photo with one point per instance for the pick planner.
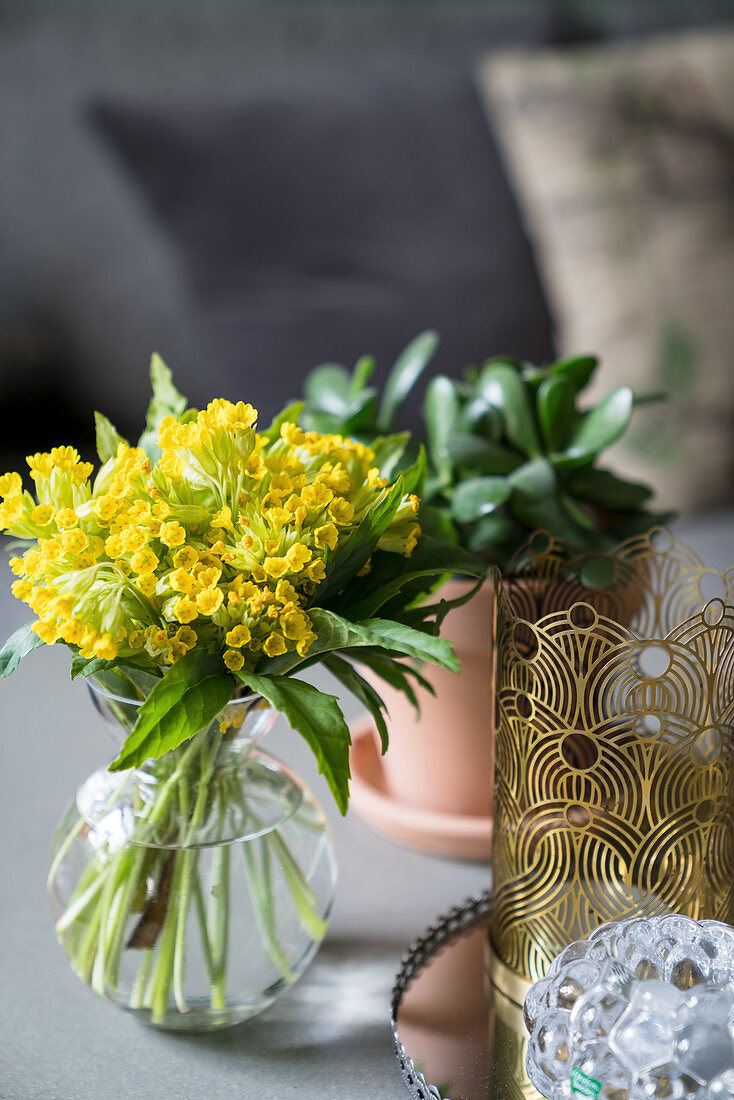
(509, 451)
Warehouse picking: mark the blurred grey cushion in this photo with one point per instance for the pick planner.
(336, 217)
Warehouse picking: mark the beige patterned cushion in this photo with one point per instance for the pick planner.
(623, 161)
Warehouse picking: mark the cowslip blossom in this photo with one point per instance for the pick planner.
(221, 544)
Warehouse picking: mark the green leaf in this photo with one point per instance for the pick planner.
(603, 425)
(478, 497)
(534, 480)
(577, 370)
(319, 720)
(356, 549)
(406, 371)
(482, 456)
(491, 531)
(363, 371)
(390, 574)
(289, 415)
(20, 643)
(186, 700)
(361, 413)
(335, 633)
(363, 691)
(107, 436)
(389, 450)
(556, 411)
(502, 387)
(166, 400)
(478, 417)
(394, 673)
(328, 388)
(440, 410)
(605, 490)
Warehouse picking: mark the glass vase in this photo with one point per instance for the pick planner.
(192, 891)
(614, 744)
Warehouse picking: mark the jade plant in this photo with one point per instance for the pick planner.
(510, 451)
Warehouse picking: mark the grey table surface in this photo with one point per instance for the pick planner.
(327, 1037)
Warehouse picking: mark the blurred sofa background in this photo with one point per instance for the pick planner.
(253, 188)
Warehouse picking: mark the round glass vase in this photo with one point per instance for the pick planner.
(194, 890)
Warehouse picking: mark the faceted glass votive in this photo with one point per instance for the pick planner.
(641, 1010)
(614, 791)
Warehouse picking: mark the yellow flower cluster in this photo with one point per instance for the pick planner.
(221, 544)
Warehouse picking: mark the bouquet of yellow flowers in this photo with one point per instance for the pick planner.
(210, 563)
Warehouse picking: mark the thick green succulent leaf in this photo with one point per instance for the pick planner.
(482, 456)
(556, 411)
(361, 413)
(363, 371)
(534, 480)
(478, 417)
(578, 370)
(491, 530)
(20, 643)
(107, 437)
(406, 371)
(502, 386)
(602, 425)
(328, 388)
(390, 574)
(363, 691)
(478, 497)
(606, 491)
(318, 718)
(289, 415)
(440, 410)
(548, 514)
(184, 701)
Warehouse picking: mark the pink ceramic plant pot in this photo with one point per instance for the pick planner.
(443, 761)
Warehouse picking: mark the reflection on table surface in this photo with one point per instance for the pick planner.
(465, 1037)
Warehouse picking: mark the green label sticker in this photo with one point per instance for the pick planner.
(583, 1085)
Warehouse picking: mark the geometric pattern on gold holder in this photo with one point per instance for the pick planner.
(614, 744)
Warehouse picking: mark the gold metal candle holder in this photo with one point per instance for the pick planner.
(614, 740)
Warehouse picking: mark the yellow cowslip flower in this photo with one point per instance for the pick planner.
(136, 639)
(133, 539)
(144, 561)
(185, 610)
(82, 471)
(40, 465)
(326, 536)
(64, 458)
(17, 566)
(238, 636)
(181, 581)
(172, 534)
(21, 589)
(185, 558)
(51, 549)
(187, 636)
(46, 631)
(303, 646)
(255, 468)
(172, 466)
(316, 571)
(207, 575)
(295, 625)
(74, 541)
(42, 514)
(105, 648)
(274, 645)
(10, 485)
(298, 556)
(147, 584)
(11, 510)
(209, 601)
(292, 434)
(275, 567)
(105, 508)
(113, 546)
(233, 659)
(222, 518)
(316, 495)
(341, 511)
